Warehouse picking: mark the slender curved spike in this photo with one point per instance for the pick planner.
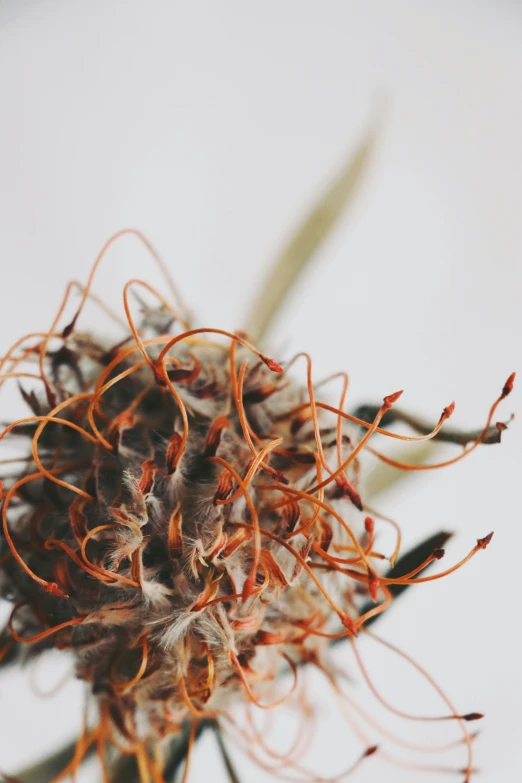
(49, 768)
(316, 227)
(446, 434)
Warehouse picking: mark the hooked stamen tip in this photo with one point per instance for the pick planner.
(472, 716)
(271, 364)
(483, 542)
(53, 588)
(349, 624)
(68, 330)
(448, 411)
(391, 399)
(508, 387)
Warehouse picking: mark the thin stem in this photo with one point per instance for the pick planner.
(232, 774)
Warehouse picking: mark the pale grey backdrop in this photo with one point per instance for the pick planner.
(212, 126)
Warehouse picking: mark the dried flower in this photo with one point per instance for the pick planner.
(189, 525)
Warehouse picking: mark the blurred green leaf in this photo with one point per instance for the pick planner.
(310, 235)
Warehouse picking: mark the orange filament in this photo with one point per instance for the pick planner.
(270, 363)
(446, 413)
(395, 554)
(312, 405)
(251, 471)
(386, 704)
(184, 418)
(95, 397)
(481, 544)
(44, 634)
(7, 375)
(250, 581)
(310, 777)
(82, 746)
(248, 689)
(340, 473)
(236, 596)
(387, 404)
(163, 267)
(103, 571)
(126, 686)
(13, 348)
(43, 347)
(321, 504)
(371, 721)
(376, 610)
(34, 446)
(197, 713)
(461, 719)
(302, 562)
(301, 741)
(133, 329)
(434, 466)
(51, 587)
(211, 676)
(175, 536)
(237, 386)
(317, 508)
(51, 543)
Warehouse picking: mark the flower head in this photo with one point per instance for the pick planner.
(189, 523)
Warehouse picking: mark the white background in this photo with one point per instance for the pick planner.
(213, 126)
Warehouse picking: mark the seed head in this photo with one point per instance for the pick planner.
(188, 522)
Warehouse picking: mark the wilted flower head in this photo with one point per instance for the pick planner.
(189, 525)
